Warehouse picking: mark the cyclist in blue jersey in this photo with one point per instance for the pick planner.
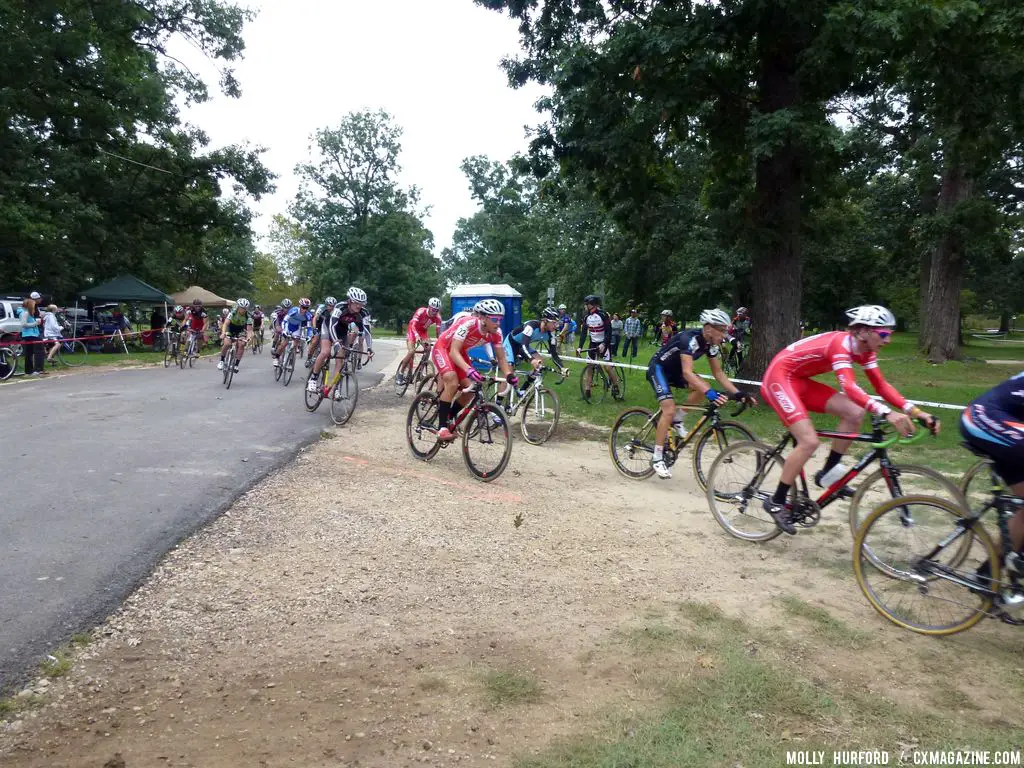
(518, 343)
(993, 423)
(295, 320)
(672, 366)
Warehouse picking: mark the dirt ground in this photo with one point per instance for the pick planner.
(347, 610)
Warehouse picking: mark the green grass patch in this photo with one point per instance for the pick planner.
(825, 625)
(741, 702)
(651, 637)
(57, 665)
(80, 640)
(506, 687)
(12, 705)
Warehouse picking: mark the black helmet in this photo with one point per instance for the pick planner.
(592, 299)
(549, 314)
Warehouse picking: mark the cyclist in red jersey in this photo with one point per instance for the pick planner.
(479, 329)
(792, 393)
(418, 327)
(198, 321)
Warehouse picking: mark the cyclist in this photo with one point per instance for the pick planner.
(672, 366)
(993, 423)
(321, 336)
(598, 332)
(236, 328)
(738, 333)
(792, 393)
(257, 321)
(347, 322)
(667, 328)
(517, 344)
(295, 320)
(417, 330)
(482, 328)
(198, 321)
(177, 320)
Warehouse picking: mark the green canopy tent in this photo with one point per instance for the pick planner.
(125, 288)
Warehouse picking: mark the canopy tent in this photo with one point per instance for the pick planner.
(125, 288)
(208, 298)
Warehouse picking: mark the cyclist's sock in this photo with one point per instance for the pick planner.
(834, 457)
(444, 412)
(222, 358)
(780, 493)
(659, 452)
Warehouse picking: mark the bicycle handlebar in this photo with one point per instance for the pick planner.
(917, 437)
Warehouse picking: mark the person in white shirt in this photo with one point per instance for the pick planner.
(53, 331)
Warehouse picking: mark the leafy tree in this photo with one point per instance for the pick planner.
(359, 226)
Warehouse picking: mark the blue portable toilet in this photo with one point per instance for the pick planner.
(465, 296)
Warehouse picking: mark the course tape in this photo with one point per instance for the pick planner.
(23, 342)
(947, 406)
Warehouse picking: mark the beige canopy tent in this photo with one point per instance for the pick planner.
(208, 298)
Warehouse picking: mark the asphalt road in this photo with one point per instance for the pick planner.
(109, 470)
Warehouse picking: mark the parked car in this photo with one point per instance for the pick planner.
(10, 325)
(76, 321)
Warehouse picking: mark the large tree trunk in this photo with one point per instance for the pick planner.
(776, 274)
(941, 339)
(1004, 322)
(924, 275)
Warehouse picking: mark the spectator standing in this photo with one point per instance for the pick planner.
(53, 331)
(616, 333)
(631, 329)
(31, 334)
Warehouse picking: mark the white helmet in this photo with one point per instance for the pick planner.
(330, 301)
(715, 317)
(286, 303)
(562, 306)
(489, 307)
(356, 294)
(434, 303)
(666, 312)
(871, 315)
(242, 303)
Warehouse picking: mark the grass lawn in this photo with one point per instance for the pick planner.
(952, 382)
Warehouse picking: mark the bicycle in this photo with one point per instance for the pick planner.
(66, 350)
(257, 342)
(938, 552)
(631, 444)
(312, 347)
(415, 374)
(285, 371)
(229, 363)
(601, 381)
(746, 474)
(191, 351)
(8, 362)
(343, 389)
(732, 362)
(172, 347)
(536, 404)
(483, 427)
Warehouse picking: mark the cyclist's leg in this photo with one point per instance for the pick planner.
(588, 373)
(1006, 450)
(851, 416)
(240, 346)
(783, 395)
(324, 355)
(663, 393)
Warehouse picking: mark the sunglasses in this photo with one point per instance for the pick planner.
(495, 319)
(884, 334)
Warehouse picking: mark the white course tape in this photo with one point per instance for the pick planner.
(948, 406)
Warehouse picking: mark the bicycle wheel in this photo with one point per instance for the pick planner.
(914, 589)
(405, 376)
(279, 368)
(313, 399)
(288, 366)
(739, 481)
(620, 374)
(712, 442)
(631, 444)
(229, 366)
(421, 426)
(538, 415)
(732, 364)
(8, 362)
(169, 355)
(344, 397)
(429, 385)
(905, 480)
(978, 485)
(486, 442)
(72, 353)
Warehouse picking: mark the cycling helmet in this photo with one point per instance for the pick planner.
(357, 294)
(178, 309)
(286, 303)
(304, 303)
(225, 312)
(330, 301)
(666, 313)
(715, 317)
(434, 303)
(489, 307)
(256, 307)
(549, 314)
(742, 311)
(562, 306)
(242, 303)
(593, 300)
(871, 315)
(197, 303)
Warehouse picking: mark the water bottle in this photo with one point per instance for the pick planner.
(1014, 563)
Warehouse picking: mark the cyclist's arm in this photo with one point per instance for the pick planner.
(887, 390)
(719, 374)
(848, 386)
(553, 351)
(499, 355)
(695, 381)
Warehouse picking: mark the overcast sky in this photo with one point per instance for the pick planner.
(432, 64)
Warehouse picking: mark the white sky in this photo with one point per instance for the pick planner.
(432, 64)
